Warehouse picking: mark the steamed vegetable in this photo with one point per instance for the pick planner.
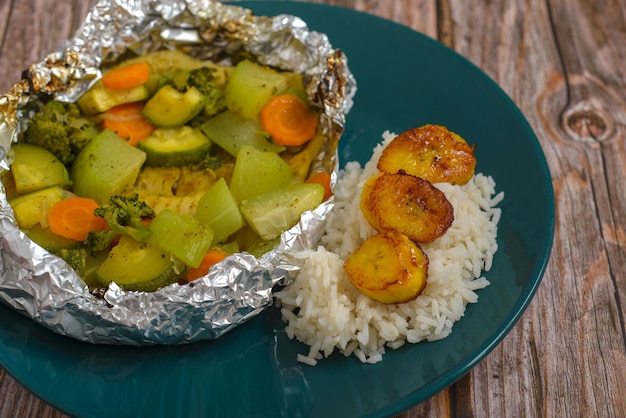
(170, 108)
(107, 166)
(301, 161)
(76, 257)
(258, 172)
(48, 240)
(211, 258)
(35, 168)
(75, 218)
(127, 76)
(272, 213)
(139, 266)
(231, 131)
(163, 167)
(206, 80)
(124, 215)
(127, 121)
(100, 99)
(251, 86)
(174, 146)
(61, 129)
(183, 236)
(322, 178)
(288, 120)
(183, 95)
(32, 209)
(218, 210)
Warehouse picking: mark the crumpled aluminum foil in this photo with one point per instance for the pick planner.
(42, 287)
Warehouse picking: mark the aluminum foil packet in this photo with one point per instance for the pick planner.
(42, 286)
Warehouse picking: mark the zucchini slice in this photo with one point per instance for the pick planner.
(169, 108)
(35, 168)
(140, 266)
(32, 209)
(174, 146)
(101, 99)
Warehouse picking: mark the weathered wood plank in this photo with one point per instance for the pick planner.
(545, 56)
(32, 30)
(16, 401)
(28, 31)
(593, 50)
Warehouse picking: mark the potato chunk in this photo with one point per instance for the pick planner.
(431, 152)
(407, 204)
(389, 268)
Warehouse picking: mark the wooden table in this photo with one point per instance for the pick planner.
(563, 62)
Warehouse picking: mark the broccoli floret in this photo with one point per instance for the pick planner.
(61, 129)
(76, 257)
(177, 79)
(98, 241)
(209, 161)
(124, 215)
(203, 79)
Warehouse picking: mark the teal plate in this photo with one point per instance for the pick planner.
(404, 80)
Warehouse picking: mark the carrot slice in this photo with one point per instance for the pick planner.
(288, 120)
(128, 76)
(128, 122)
(212, 257)
(74, 218)
(322, 178)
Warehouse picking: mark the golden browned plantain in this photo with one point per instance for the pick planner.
(431, 152)
(389, 268)
(407, 204)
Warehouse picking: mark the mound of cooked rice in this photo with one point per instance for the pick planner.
(325, 311)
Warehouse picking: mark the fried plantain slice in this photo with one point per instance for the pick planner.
(389, 268)
(431, 152)
(408, 204)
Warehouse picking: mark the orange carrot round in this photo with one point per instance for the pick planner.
(212, 257)
(288, 120)
(322, 178)
(74, 218)
(128, 122)
(128, 76)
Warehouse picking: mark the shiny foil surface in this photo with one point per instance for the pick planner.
(42, 286)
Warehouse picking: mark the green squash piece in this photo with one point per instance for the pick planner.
(270, 214)
(231, 131)
(134, 265)
(183, 236)
(35, 168)
(47, 239)
(169, 108)
(218, 210)
(107, 166)
(251, 86)
(174, 146)
(32, 209)
(100, 99)
(258, 172)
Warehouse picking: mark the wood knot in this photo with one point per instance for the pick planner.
(587, 121)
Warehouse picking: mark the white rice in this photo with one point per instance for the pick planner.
(325, 311)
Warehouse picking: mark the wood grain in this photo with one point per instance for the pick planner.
(563, 64)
